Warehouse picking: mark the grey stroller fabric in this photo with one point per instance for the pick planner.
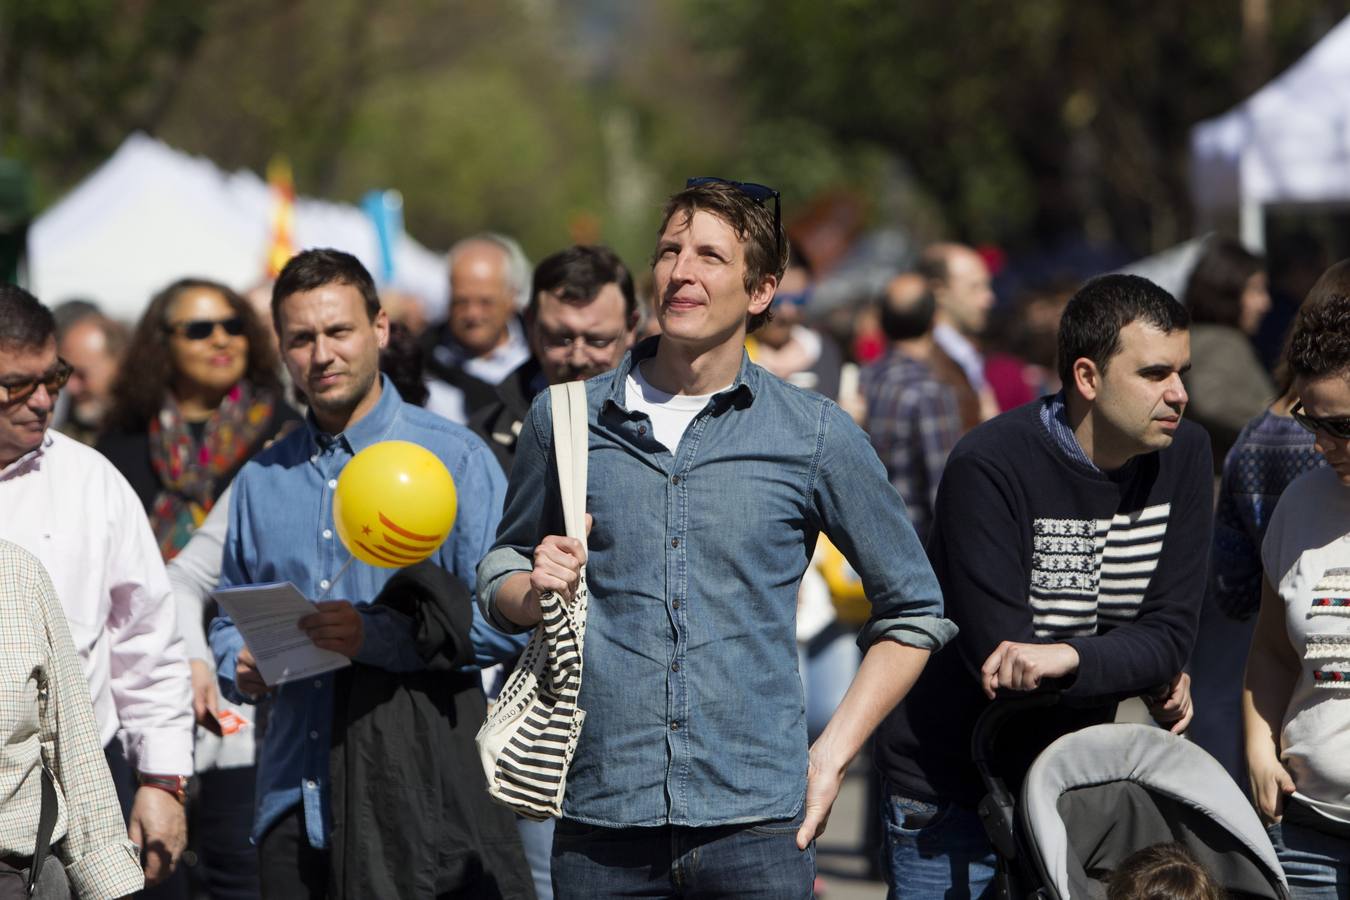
(526, 744)
(1095, 796)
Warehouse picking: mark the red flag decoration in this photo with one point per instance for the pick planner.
(282, 246)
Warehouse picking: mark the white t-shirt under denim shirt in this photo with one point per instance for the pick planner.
(670, 413)
(1307, 559)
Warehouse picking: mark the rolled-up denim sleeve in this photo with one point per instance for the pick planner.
(532, 511)
(865, 518)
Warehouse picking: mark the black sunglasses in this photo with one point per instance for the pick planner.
(1336, 426)
(201, 329)
(19, 391)
(760, 193)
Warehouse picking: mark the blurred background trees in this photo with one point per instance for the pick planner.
(558, 120)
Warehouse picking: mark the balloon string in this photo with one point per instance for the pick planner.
(333, 582)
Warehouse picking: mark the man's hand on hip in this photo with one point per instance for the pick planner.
(158, 825)
(1022, 667)
(336, 626)
(823, 779)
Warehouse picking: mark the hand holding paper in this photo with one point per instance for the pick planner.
(268, 617)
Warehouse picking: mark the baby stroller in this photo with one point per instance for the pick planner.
(1095, 796)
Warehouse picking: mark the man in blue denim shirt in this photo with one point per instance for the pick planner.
(710, 481)
(281, 529)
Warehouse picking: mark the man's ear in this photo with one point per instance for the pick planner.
(381, 326)
(762, 295)
(1087, 378)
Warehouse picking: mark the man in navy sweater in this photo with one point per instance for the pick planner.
(1070, 542)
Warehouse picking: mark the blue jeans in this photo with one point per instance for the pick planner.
(733, 861)
(934, 850)
(1316, 865)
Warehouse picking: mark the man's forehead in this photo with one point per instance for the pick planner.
(606, 307)
(1146, 342)
(703, 223)
(27, 359)
(324, 305)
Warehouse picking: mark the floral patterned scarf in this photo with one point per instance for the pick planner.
(190, 470)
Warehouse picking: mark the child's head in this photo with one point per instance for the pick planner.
(1162, 872)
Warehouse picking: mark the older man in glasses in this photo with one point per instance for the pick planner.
(710, 481)
(69, 507)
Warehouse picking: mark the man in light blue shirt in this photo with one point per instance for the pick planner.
(710, 481)
(331, 329)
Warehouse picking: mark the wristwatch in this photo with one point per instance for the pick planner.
(173, 784)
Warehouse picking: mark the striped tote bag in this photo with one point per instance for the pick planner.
(526, 743)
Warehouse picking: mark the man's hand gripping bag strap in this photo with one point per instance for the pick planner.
(527, 742)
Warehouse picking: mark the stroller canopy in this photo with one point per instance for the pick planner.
(1095, 796)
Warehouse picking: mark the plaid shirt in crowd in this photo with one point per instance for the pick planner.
(913, 421)
(48, 717)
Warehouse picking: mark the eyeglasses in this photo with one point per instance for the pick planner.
(759, 193)
(14, 392)
(201, 329)
(568, 341)
(1336, 426)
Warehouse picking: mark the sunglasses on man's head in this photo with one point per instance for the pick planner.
(201, 329)
(759, 193)
(1336, 426)
(13, 392)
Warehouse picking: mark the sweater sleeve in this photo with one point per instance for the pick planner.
(978, 550)
(1148, 652)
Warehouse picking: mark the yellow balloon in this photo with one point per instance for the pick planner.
(394, 504)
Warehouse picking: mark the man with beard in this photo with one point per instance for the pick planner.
(582, 318)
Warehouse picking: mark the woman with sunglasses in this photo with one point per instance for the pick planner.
(1296, 695)
(198, 395)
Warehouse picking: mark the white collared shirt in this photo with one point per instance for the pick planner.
(963, 351)
(69, 507)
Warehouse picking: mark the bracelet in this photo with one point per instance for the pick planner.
(173, 784)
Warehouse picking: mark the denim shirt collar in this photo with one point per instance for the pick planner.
(749, 378)
(372, 428)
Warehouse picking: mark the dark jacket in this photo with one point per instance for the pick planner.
(499, 422)
(411, 813)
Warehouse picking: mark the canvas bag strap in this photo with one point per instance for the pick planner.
(571, 442)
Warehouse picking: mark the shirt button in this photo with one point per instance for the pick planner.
(328, 534)
(313, 735)
(674, 726)
(642, 429)
(675, 479)
(674, 542)
(675, 666)
(318, 683)
(332, 482)
(324, 584)
(314, 458)
(675, 604)
(311, 783)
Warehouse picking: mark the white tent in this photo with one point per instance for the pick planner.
(1287, 143)
(152, 214)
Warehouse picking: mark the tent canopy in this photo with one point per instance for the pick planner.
(1287, 143)
(151, 214)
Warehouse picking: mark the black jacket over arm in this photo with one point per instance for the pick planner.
(411, 812)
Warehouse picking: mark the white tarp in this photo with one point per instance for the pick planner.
(152, 214)
(1287, 143)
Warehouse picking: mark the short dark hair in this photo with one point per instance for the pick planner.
(1320, 342)
(1214, 290)
(1333, 283)
(1162, 872)
(577, 275)
(908, 320)
(1091, 324)
(313, 269)
(25, 324)
(766, 250)
(401, 360)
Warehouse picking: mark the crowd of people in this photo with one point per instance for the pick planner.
(802, 546)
